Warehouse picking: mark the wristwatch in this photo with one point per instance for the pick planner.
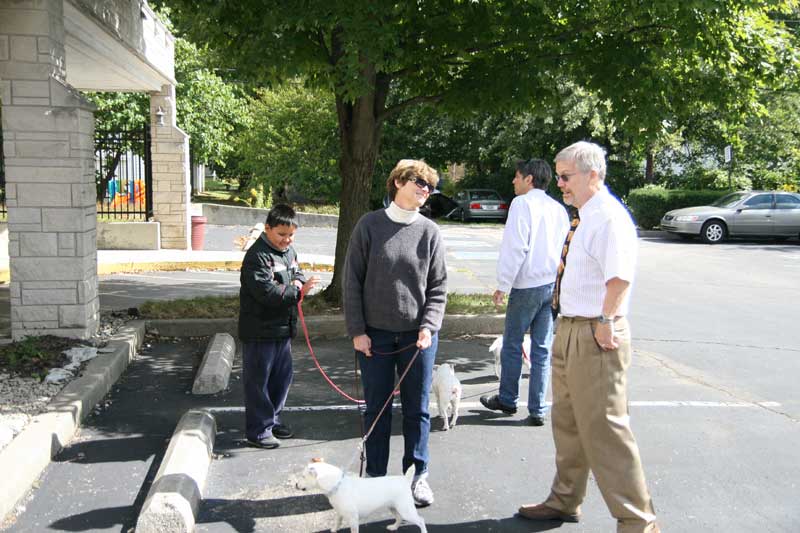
(605, 319)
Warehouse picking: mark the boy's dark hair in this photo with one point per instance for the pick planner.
(281, 215)
(539, 169)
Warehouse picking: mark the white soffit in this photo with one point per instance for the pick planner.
(96, 60)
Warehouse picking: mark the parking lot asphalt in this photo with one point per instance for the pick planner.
(712, 464)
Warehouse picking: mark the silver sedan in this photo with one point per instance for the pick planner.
(738, 214)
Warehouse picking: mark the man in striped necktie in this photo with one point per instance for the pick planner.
(592, 352)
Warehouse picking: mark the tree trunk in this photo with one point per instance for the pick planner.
(359, 137)
(649, 168)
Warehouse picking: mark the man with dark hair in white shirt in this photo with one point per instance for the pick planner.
(592, 352)
(526, 271)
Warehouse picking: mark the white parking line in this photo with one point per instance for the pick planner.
(473, 405)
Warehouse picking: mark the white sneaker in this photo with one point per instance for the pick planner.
(423, 495)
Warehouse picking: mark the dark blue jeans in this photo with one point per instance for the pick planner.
(378, 379)
(528, 310)
(266, 376)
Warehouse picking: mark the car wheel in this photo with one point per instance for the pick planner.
(713, 232)
(463, 217)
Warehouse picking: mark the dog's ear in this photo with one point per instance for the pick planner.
(435, 368)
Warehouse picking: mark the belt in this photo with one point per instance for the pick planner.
(584, 318)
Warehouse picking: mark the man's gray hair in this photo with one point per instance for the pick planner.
(587, 157)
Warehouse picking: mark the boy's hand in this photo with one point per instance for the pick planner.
(308, 285)
(363, 344)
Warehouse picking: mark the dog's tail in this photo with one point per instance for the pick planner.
(410, 475)
(497, 344)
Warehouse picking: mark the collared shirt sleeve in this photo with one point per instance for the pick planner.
(615, 247)
(515, 244)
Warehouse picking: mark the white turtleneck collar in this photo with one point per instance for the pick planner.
(400, 215)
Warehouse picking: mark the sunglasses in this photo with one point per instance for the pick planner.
(422, 184)
(563, 177)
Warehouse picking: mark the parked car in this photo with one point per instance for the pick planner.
(438, 205)
(739, 214)
(480, 204)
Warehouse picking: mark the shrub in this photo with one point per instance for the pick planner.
(649, 203)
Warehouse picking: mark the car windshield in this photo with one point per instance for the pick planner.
(729, 199)
(484, 195)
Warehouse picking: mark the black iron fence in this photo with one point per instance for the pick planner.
(124, 174)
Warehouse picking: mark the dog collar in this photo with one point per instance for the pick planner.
(336, 486)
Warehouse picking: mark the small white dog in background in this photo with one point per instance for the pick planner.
(447, 390)
(246, 241)
(497, 347)
(353, 497)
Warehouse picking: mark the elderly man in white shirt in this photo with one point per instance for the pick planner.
(592, 352)
(529, 257)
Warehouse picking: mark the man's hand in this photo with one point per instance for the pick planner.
(363, 344)
(604, 335)
(499, 298)
(306, 287)
(424, 339)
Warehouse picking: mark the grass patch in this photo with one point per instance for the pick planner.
(228, 307)
(35, 356)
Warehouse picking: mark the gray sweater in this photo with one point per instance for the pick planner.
(395, 276)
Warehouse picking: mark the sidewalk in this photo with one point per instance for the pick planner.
(117, 261)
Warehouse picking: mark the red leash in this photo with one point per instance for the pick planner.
(328, 379)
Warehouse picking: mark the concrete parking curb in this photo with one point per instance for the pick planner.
(326, 327)
(215, 369)
(24, 459)
(174, 498)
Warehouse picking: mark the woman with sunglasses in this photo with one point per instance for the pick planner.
(394, 298)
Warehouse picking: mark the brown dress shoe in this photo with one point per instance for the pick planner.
(543, 512)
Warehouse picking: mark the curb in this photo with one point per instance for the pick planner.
(175, 495)
(215, 369)
(325, 327)
(24, 459)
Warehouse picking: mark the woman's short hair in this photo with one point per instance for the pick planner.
(538, 169)
(587, 157)
(406, 169)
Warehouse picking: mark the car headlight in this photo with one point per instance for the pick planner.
(687, 218)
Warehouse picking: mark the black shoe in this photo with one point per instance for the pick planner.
(536, 420)
(267, 443)
(493, 403)
(282, 432)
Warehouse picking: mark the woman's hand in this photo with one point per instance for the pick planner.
(424, 339)
(363, 344)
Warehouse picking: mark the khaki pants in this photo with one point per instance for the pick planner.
(591, 426)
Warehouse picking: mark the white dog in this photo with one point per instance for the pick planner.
(246, 241)
(497, 347)
(353, 497)
(447, 389)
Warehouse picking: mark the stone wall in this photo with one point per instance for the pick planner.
(48, 142)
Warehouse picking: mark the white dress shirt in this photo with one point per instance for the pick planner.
(604, 246)
(532, 239)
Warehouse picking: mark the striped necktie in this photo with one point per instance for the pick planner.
(556, 304)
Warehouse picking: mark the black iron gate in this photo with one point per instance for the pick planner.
(124, 174)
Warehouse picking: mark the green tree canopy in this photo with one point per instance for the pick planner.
(648, 60)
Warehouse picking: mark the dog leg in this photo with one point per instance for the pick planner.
(337, 523)
(354, 524)
(410, 514)
(455, 404)
(442, 411)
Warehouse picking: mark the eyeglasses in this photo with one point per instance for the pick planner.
(564, 177)
(422, 184)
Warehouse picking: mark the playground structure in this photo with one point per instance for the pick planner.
(131, 194)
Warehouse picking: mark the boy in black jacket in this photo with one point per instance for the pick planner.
(272, 284)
